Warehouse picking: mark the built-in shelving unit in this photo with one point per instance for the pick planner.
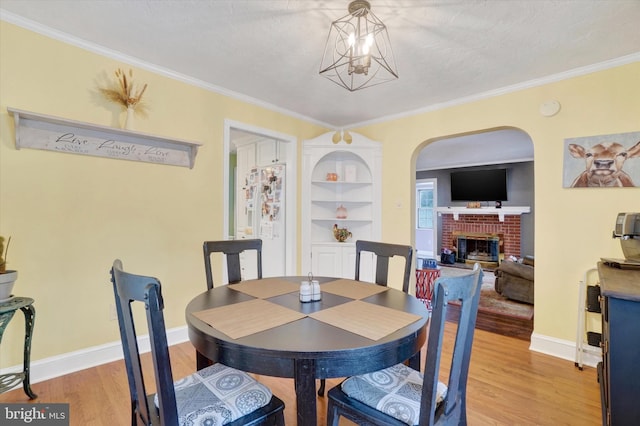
(501, 212)
(356, 188)
(40, 131)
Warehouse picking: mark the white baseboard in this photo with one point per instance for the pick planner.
(56, 366)
(59, 365)
(565, 349)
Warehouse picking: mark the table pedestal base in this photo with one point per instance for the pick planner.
(305, 386)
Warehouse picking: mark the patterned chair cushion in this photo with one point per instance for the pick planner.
(395, 391)
(217, 395)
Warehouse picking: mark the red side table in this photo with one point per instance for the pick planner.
(425, 278)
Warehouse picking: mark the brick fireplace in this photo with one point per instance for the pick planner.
(483, 227)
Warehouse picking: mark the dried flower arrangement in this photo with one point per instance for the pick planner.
(125, 93)
(3, 254)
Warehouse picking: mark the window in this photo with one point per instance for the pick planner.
(425, 208)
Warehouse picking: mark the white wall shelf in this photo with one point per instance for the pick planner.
(501, 212)
(39, 131)
(336, 220)
(357, 189)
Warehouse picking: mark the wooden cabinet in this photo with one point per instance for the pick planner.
(619, 374)
(341, 185)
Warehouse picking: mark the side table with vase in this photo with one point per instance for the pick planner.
(7, 309)
(426, 275)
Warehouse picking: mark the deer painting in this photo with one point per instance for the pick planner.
(604, 163)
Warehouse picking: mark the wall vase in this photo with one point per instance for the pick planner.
(7, 280)
(129, 119)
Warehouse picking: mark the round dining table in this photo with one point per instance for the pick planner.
(307, 349)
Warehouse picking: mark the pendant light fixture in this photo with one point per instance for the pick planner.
(358, 51)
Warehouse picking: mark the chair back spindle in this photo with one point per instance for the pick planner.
(384, 252)
(232, 250)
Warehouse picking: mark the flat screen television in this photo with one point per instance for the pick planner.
(479, 185)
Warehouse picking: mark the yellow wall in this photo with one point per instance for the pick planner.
(572, 226)
(71, 215)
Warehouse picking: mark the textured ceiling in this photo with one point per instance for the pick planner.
(269, 51)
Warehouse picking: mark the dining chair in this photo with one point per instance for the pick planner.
(232, 250)
(383, 252)
(217, 394)
(399, 395)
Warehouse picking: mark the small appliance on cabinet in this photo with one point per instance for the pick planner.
(619, 374)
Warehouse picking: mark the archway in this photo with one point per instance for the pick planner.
(484, 149)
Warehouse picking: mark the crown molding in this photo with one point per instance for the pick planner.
(138, 63)
(113, 54)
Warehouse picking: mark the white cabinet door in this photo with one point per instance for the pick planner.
(333, 260)
(249, 265)
(245, 158)
(326, 260)
(267, 153)
(367, 267)
(349, 262)
(338, 260)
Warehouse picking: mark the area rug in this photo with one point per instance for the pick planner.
(490, 300)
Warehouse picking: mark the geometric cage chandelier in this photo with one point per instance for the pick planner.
(358, 52)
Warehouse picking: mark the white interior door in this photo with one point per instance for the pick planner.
(281, 258)
(272, 219)
(426, 218)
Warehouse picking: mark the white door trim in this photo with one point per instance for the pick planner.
(291, 185)
(434, 182)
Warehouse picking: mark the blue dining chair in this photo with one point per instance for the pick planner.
(232, 250)
(216, 394)
(383, 252)
(401, 396)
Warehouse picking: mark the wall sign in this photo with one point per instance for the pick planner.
(38, 131)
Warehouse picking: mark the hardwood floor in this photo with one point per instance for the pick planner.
(508, 385)
(507, 326)
(518, 328)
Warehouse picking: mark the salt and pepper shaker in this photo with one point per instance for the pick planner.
(310, 290)
(305, 291)
(316, 294)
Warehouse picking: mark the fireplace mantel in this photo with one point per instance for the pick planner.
(501, 212)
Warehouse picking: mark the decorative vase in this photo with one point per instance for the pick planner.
(341, 212)
(341, 234)
(129, 120)
(7, 280)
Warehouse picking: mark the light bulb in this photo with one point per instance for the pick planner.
(352, 39)
(369, 40)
